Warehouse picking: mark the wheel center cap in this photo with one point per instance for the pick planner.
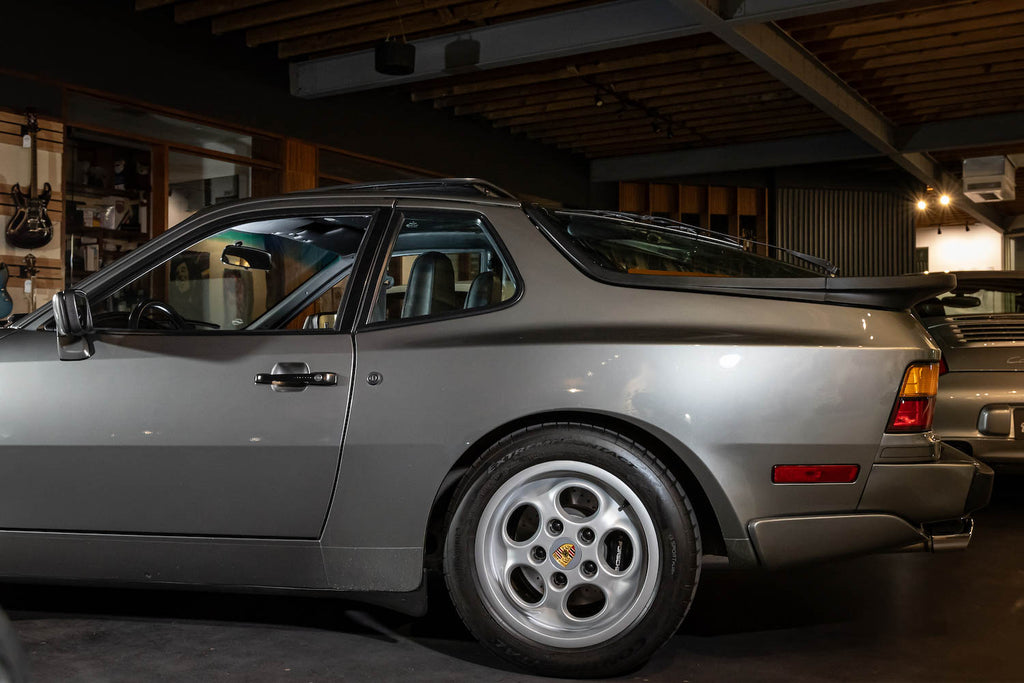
(565, 553)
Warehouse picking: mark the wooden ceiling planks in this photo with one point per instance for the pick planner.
(924, 59)
(915, 61)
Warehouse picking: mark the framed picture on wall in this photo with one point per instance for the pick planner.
(189, 279)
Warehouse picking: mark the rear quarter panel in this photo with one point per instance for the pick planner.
(733, 385)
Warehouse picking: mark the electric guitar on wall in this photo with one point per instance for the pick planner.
(6, 303)
(30, 227)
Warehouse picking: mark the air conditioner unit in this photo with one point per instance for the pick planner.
(990, 179)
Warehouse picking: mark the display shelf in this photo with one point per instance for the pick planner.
(75, 189)
(106, 200)
(122, 234)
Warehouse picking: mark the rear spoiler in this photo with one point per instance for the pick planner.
(895, 293)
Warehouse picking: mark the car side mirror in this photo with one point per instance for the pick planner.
(73, 319)
(238, 255)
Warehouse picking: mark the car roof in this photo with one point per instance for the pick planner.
(433, 188)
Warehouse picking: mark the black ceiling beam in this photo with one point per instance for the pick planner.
(559, 34)
(780, 55)
(966, 133)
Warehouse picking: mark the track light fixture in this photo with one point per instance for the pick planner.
(943, 201)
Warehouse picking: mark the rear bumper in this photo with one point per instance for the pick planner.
(976, 409)
(993, 449)
(907, 506)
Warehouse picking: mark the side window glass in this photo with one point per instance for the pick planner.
(281, 273)
(442, 262)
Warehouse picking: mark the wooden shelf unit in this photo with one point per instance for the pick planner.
(740, 212)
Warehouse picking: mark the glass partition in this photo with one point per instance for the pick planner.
(129, 120)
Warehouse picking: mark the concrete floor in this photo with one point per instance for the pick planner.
(955, 617)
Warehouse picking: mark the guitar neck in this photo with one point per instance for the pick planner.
(32, 129)
(32, 191)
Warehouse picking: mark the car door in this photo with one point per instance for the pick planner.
(205, 409)
(422, 379)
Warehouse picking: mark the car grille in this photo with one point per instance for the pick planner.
(1006, 330)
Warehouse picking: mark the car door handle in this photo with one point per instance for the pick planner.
(305, 379)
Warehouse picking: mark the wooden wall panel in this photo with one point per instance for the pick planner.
(664, 198)
(746, 201)
(300, 166)
(718, 200)
(633, 197)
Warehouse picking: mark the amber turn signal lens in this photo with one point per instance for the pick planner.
(920, 380)
(916, 402)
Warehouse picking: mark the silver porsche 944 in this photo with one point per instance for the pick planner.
(563, 411)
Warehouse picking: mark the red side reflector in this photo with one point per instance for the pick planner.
(815, 474)
(912, 415)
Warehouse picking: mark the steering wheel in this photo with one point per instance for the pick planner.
(176, 321)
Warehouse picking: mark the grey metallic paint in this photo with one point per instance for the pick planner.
(731, 385)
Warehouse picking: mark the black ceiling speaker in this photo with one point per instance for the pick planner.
(463, 53)
(395, 57)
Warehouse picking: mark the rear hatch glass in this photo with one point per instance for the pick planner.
(622, 244)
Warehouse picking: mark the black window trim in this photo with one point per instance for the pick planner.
(109, 280)
(387, 246)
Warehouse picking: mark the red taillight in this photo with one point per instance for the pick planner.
(912, 415)
(916, 400)
(815, 474)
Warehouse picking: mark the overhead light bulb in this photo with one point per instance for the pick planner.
(944, 200)
(598, 100)
(922, 205)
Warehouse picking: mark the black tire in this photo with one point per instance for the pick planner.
(628, 572)
(13, 666)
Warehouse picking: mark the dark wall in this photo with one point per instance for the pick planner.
(106, 45)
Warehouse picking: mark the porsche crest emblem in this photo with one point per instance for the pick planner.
(564, 554)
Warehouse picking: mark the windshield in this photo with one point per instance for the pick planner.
(630, 246)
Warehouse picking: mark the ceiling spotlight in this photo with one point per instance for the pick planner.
(940, 229)
(967, 228)
(921, 205)
(598, 100)
(944, 200)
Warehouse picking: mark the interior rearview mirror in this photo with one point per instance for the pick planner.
(73, 319)
(238, 255)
